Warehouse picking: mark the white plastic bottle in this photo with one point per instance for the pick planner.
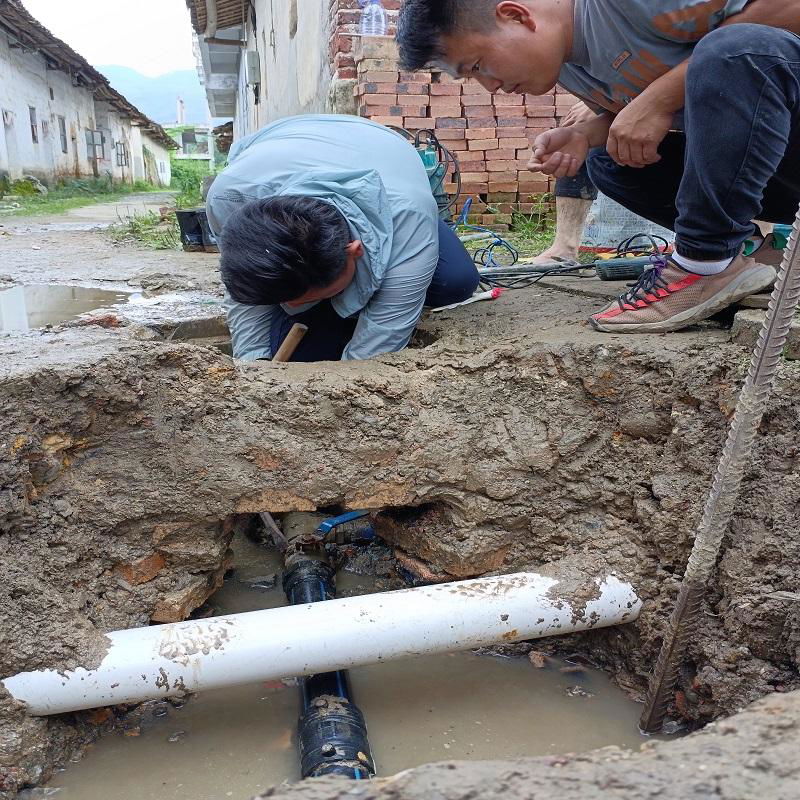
(373, 18)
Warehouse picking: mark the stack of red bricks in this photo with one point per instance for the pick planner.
(490, 134)
(344, 22)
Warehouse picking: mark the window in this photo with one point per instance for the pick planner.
(52, 96)
(293, 19)
(122, 154)
(62, 132)
(162, 167)
(95, 145)
(45, 128)
(34, 125)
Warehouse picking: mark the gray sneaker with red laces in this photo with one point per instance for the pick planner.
(668, 298)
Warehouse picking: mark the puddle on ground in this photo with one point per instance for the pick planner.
(23, 308)
(236, 742)
(188, 316)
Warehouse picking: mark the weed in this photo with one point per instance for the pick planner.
(23, 188)
(532, 232)
(154, 231)
(187, 178)
(66, 195)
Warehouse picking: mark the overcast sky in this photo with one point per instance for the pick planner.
(151, 36)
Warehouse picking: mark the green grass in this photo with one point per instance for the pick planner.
(187, 178)
(530, 233)
(149, 230)
(72, 194)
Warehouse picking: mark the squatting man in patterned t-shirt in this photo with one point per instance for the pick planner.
(697, 126)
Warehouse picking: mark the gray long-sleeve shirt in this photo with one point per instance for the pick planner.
(378, 182)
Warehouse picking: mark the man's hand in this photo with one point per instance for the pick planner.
(578, 114)
(559, 152)
(637, 132)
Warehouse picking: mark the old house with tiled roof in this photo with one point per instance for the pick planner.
(60, 118)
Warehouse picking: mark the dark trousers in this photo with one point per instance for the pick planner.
(580, 187)
(454, 280)
(739, 158)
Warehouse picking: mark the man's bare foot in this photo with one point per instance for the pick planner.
(571, 213)
(553, 254)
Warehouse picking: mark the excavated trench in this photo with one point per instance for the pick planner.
(509, 438)
(238, 740)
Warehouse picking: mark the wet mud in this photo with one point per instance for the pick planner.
(512, 438)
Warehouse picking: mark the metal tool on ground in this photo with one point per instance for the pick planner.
(727, 481)
(290, 343)
(632, 258)
(490, 294)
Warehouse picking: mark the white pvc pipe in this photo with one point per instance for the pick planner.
(167, 660)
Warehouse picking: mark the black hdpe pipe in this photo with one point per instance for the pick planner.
(332, 733)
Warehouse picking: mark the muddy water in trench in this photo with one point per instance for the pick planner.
(236, 742)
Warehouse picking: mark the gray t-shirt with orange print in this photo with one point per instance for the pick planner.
(621, 46)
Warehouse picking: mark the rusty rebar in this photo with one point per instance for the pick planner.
(727, 481)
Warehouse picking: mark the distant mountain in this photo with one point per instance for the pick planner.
(158, 97)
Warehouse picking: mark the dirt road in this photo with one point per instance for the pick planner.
(70, 248)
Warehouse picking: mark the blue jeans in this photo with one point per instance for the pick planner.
(739, 158)
(455, 279)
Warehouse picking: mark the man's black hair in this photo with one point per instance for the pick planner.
(276, 249)
(423, 23)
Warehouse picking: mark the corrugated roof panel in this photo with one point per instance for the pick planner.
(230, 14)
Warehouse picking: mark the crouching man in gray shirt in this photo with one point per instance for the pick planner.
(698, 124)
(330, 221)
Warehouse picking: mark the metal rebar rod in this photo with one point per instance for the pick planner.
(727, 481)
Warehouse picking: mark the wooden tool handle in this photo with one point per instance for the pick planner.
(293, 338)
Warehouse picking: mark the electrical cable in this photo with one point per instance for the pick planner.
(627, 248)
(446, 157)
(497, 260)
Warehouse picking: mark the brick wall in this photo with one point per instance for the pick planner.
(490, 134)
(344, 22)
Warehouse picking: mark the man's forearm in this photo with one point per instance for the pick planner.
(667, 93)
(775, 13)
(595, 130)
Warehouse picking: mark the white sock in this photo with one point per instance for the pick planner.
(701, 267)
